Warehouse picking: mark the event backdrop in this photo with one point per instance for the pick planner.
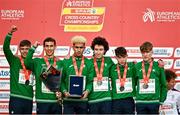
(126, 23)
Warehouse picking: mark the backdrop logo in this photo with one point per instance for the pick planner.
(4, 96)
(177, 52)
(4, 84)
(81, 16)
(4, 107)
(88, 52)
(3, 62)
(4, 73)
(168, 63)
(12, 47)
(111, 52)
(161, 16)
(11, 14)
(62, 50)
(149, 15)
(162, 51)
(177, 64)
(133, 51)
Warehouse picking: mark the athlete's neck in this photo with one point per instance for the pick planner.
(51, 56)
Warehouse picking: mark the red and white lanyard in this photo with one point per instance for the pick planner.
(78, 73)
(122, 80)
(99, 74)
(47, 62)
(25, 71)
(146, 77)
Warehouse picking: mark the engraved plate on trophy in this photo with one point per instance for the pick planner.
(76, 86)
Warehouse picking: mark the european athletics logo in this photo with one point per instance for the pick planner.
(149, 15)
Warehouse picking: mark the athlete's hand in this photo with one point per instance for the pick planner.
(85, 94)
(36, 44)
(66, 94)
(161, 63)
(13, 29)
(58, 94)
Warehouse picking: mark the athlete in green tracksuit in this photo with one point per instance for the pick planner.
(46, 99)
(21, 91)
(151, 82)
(100, 97)
(123, 84)
(77, 65)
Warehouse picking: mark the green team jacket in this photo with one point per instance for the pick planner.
(68, 69)
(130, 75)
(100, 96)
(37, 65)
(158, 75)
(17, 89)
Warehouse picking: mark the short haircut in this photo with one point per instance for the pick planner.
(170, 75)
(78, 39)
(49, 39)
(25, 43)
(100, 41)
(146, 47)
(121, 51)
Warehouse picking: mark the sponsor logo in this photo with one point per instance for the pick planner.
(161, 16)
(38, 51)
(12, 47)
(177, 52)
(4, 73)
(4, 85)
(162, 52)
(87, 51)
(133, 52)
(168, 63)
(177, 64)
(62, 51)
(12, 14)
(110, 52)
(4, 96)
(3, 62)
(78, 3)
(4, 107)
(81, 16)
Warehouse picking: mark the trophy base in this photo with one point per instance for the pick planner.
(75, 96)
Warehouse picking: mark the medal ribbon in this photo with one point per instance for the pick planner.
(99, 73)
(47, 62)
(146, 77)
(122, 80)
(26, 72)
(78, 73)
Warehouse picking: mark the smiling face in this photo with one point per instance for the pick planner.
(78, 49)
(99, 51)
(24, 50)
(49, 48)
